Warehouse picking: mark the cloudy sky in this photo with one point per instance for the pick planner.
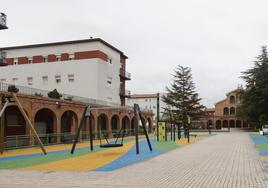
(217, 39)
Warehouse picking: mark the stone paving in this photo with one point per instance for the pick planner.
(224, 160)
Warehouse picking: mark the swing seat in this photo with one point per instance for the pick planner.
(110, 145)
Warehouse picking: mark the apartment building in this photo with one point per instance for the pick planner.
(90, 68)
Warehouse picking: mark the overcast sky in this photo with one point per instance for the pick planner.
(217, 39)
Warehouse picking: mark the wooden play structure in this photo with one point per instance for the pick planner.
(11, 99)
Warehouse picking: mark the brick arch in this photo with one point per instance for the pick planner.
(72, 117)
(218, 124)
(102, 122)
(14, 125)
(225, 124)
(45, 122)
(115, 123)
(42, 107)
(68, 124)
(232, 123)
(126, 123)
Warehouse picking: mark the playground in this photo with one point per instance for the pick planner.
(93, 154)
(58, 157)
(261, 144)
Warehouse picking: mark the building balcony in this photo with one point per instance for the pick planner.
(3, 19)
(124, 93)
(125, 75)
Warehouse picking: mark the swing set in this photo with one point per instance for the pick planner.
(121, 133)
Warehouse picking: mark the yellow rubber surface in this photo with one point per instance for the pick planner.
(51, 148)
(184, 141)
(86, 162)
(48, 149)
(266, 160)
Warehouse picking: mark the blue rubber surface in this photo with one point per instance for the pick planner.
(130, 157)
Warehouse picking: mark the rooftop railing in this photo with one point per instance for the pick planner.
(41, 92)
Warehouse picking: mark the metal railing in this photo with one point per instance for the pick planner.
(3, 20)
(2, 57)
(26, 141)
(41, 92)
(125, 74)
(125, 93)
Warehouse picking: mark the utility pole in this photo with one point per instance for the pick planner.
(157, 116)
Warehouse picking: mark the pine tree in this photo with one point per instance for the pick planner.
(182, 97)
(254, 98)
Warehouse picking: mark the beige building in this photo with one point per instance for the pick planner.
(223, 115)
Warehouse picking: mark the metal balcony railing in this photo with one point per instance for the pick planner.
(2, 58)
(3, 20)
(124, 74)
(124, 93)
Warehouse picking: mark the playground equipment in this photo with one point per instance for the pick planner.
(137, 115)
(171, 126)
(115, 144)
(162, 133)
(9, 99)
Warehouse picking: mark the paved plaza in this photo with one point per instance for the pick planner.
(223, 160)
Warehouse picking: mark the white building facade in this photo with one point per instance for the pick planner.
(89, 68)
(148, 102)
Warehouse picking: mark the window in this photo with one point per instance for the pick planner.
(232, 99)
(58, 79)
(110, 60)
(3, 80)
(30, 61)
(226, 111)
(71, 78)
(109, 80)
(15, 62)
(145, 100)
(232, 110)
(58, 58)
(45, 59)
(45, 80)
(30, 81)
(14, 80)
(71, 57)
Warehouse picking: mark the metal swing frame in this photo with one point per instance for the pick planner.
(137, 115)
(115, 144)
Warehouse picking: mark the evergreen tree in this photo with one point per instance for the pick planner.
(182, 97)
(254, 98)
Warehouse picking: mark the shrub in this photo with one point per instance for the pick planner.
(13, 89)
(54, 94)
(38, 94)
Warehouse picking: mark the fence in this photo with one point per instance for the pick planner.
(26, 141)
(41, 92)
